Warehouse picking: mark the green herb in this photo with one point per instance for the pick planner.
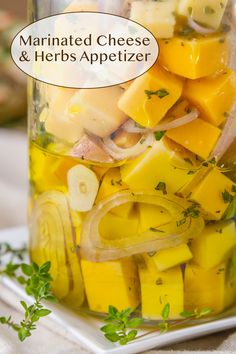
(164, 325)
(37, 282)
(119, 322)
(121, 325)
(186, 31)
(192, 211)
(191, 172)
(227, 197)
(7, 250)
(142, 141)
(118, 182)
(159, 93)
(181, 222)
(219, 231)
(153, 229)
(188, 161)
(161, 187)
(231, 210)
(209, 10)
(233, 189)
(196, 313)
(159, 281)
(159, 135)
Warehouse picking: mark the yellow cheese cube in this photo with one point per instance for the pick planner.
(157, 164)
(209, 194)
(172, 257)
(112, 184)
(213, 96)
(150, 96)
(157, 17)
(96, 110)
(192, 55)
(208, 288)
(151, 216)
(159, 288)
(214, 245)
(111, 283)
(114, 227)
(198, 136)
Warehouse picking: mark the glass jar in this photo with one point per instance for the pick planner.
(133, 187)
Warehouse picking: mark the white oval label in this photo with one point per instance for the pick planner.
(84, 50)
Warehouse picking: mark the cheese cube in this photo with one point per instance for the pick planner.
(209, 194)
(208, 288)
(151, 216)
(157, 17)
(192, 54)
(111, 184)
(159, 288)
(157, 164)
(184, 7)
(172, 257)
(150, 96)
(213, 96)
(57, 122)
(214, 245)
(114, 227)
(111, 283)
(96, 110)
(197, 136)
(206, 12)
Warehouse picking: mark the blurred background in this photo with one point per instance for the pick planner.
(13, 108)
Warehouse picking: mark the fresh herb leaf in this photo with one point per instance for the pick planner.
(227, 197)
(164, 325)
(159, 93)
(37, 282)
(159, 135)
(153, 229)
(161, 187)
(119, 323)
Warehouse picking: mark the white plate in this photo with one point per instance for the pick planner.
(85, 328)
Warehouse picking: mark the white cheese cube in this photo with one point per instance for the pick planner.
(207, 12)
(158, 17)
(97, 110)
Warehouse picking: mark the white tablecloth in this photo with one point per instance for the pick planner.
(49, 338)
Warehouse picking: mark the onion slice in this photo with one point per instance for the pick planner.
(97, 249)
(198, 28)
(119, 153)
(227, 136)
(188, 118)
(131, 127)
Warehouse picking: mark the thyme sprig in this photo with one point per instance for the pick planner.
(37, 283)
(114, 329)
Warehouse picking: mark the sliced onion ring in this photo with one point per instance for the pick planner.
(119, 153)
(131, 127)
(227, 136)
(198, 28)
(188, 118)
(97, 249)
